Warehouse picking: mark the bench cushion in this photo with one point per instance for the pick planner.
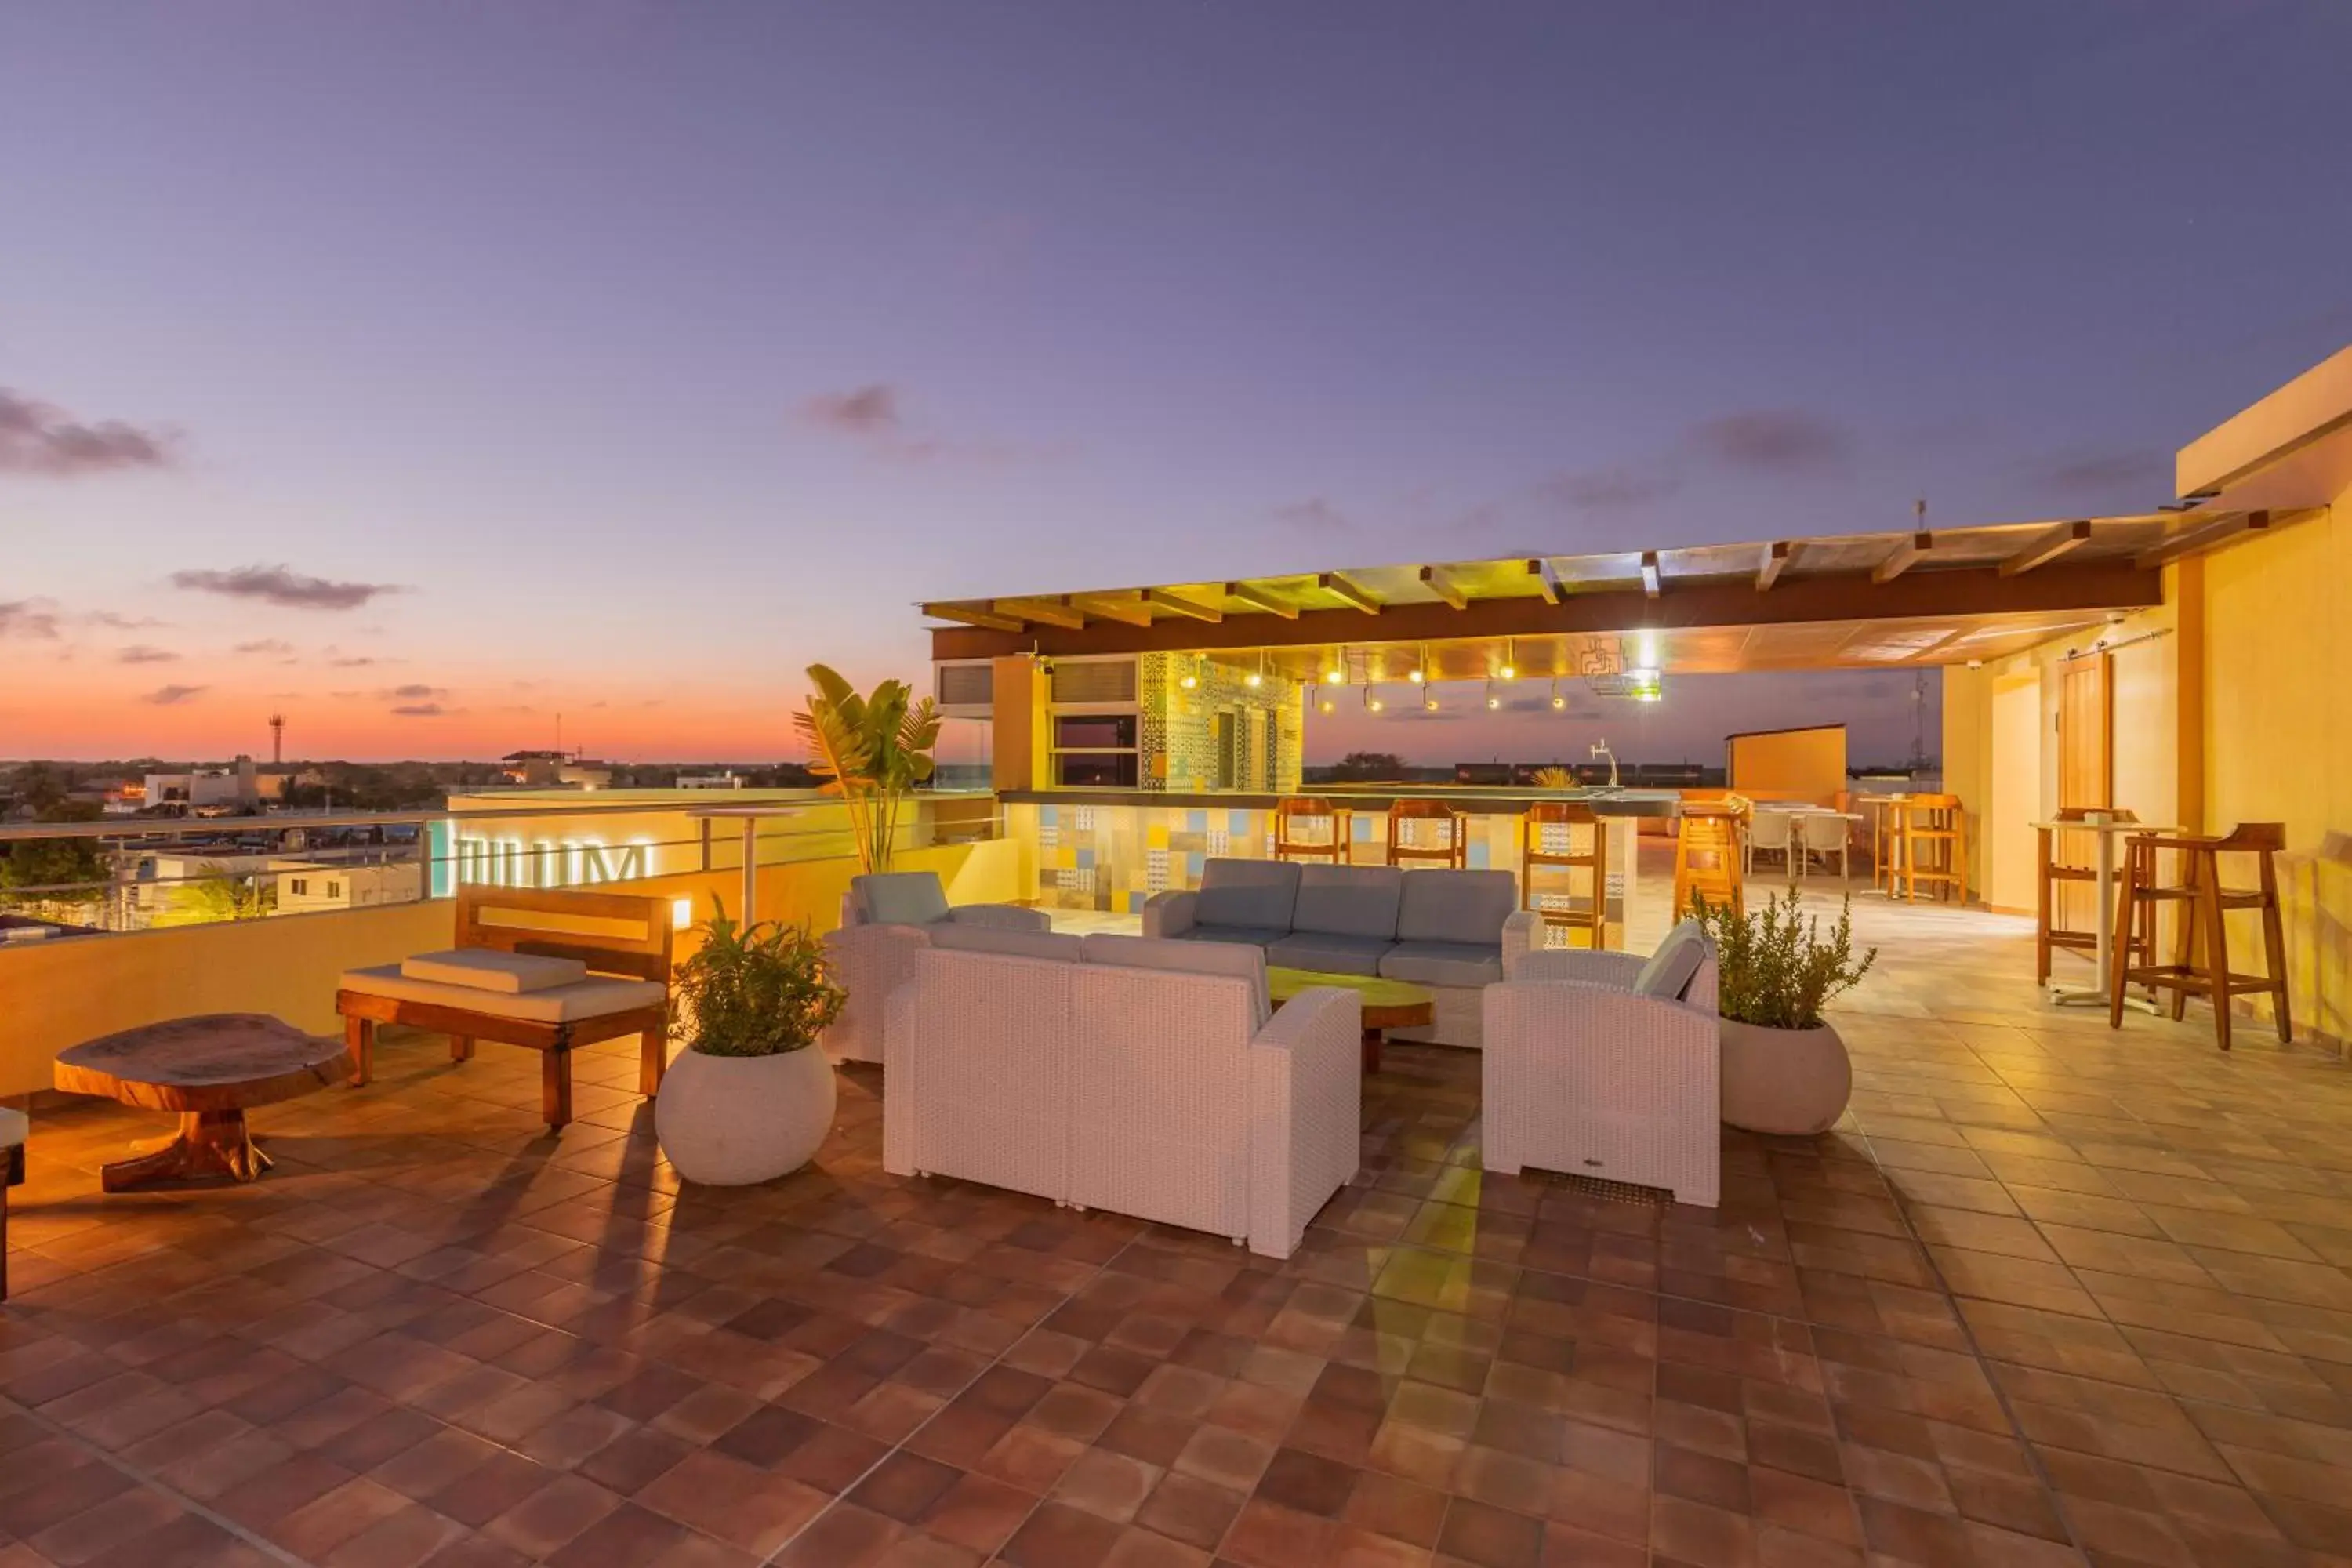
(1246, 936)
(1349, 900)
(960, 937)
(1257, 893)
(1243, 962)
(900, 898)
(1675, 964)
(593, 997)
(1323, 953)
(483, 969)
(1457, 906)
(1459, 963)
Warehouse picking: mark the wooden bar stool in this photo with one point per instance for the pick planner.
(1288, 843)
(1455, 849)
(2204, 902)
(1707, 859)
(2047, 934)
(1883, 809)
(1931, 840)
(1548, 838)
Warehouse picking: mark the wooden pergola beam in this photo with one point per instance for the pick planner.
(1777, 556)
(1257, 598)
(2047, 547)
(2204, 537)
(1902, 557)
(1651, 580)
(1442, 583)
(1177, 604)
(1044, 612)
(1127, 609)
(1341, 587)
(964, 614)
(1546, 580)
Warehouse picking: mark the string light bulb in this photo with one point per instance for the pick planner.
(1256, 678)
(1510, 670)
(1492, 701)
(1557, 701)
(1372, 702)
(1334, 667)
(1428, 701)
(1419, 673)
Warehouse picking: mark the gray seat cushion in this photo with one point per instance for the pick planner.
(1349, 900)
(1461, 964)
(1248, 936)
(1457, 906)
(1247, 893)
(900, 898)
(1676, 965)
(1188, 958)
(1328, 954)
(958, 937)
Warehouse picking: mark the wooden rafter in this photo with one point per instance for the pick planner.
(1546, 580)
(1044, 612)
(2048, 546)
(1651, 582)
(1127, 609)
(1177, 604)
(2204, 537)
(1259, 599)
(1442, 583)
(1349, 592)
(1777, 556)
(1902, 557)
(986, 620)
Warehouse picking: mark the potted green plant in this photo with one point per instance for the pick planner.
(1784, 1069)
(749, 1098)
(870, 751)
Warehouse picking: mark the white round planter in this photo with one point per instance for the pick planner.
(1790, 1081)
(728, 1122)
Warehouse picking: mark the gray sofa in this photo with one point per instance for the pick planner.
(1452, 931)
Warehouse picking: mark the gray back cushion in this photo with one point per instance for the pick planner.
(1187, 958)
(900, 898)
(1456, 906)
(1247, 893)
(956, 937)
(1348, 900)
(1675, 965)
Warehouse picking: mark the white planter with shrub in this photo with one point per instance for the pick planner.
(1785, 1071)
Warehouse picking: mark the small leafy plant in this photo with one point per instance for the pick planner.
(1773, 968)
(752, 991)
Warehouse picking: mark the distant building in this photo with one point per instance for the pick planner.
(542, 769)
(727, 779)
(240, 785)
(305, 887)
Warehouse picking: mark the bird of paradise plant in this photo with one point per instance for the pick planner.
(870, 750)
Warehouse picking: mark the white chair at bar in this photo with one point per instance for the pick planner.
(1823, 833)
(1774, 832)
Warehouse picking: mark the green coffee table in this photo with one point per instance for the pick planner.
(1388, 1004)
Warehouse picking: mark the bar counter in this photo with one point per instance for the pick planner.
(1110, 850)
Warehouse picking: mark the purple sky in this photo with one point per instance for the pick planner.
(564, 321)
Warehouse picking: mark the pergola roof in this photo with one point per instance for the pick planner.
(1870, 599)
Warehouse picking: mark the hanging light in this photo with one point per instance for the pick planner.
(1492, 701)
(1190, 680)
(1419, 673)
(1428, 700)
(1256, 678)
(1510, 670)
(1325, 705)
(1335, 666)
(1372, 703)
(1557, 701)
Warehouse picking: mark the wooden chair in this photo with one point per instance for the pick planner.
(2049, 934)
(640, 955)
(1708, 859)
(1289, 844)
(1548, 838)
(2204, 904)
(1931, 841)
(1454, 852)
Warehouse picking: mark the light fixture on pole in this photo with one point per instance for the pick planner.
(1510, 670)
(1419, 673)
(1428, 700)
(1492, 701)
(1372, 703)
(1557, 701)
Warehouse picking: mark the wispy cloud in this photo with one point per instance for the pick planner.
(1615, 488)
(37, 437)
(35, 618)
(266, 645)
(418, 711)
(353, 661)
(172, 696)
(415, 691)
(141, 653)
(115, 621)
(1315, 515)
(283, 587)
(874, 417)
(2143, 472)
(870, 411)
(1771, 441)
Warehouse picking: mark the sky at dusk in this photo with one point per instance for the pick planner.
(424, 371)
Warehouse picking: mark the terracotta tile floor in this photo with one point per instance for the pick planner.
(2050, 1296)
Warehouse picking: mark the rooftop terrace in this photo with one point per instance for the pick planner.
(2049, 1295)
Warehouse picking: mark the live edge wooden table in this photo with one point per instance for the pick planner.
(1388, 1004)
(209, 1069)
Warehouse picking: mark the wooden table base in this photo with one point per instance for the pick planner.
(210, 1144)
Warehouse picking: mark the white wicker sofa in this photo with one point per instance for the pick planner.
(885, 919)
(1454, 931)
(1605, 1064)
(1115, 1072)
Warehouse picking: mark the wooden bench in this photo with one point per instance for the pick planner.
(501, 919)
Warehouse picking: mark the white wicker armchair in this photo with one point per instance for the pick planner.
(1585, 1075)
(884, 923)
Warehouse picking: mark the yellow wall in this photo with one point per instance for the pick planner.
(1791, 765)
(59, 993)
(2008, 858)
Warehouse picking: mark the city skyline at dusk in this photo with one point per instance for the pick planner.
(425, 375)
